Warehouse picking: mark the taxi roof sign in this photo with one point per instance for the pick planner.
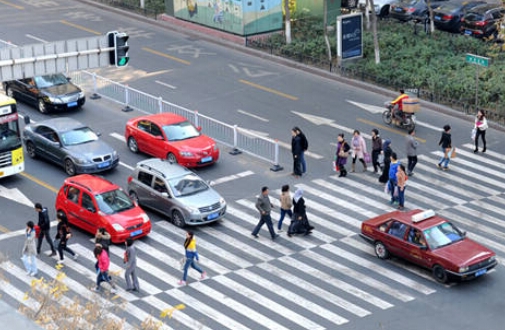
(423, 215)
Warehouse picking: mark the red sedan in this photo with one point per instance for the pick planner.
(430, 241)
(171, 137)
(91, 202)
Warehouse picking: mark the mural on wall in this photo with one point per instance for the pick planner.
(236, 16)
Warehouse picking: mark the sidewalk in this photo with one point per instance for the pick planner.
(12, 319)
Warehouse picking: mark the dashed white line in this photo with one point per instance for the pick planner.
(253, 115)
(165, 84)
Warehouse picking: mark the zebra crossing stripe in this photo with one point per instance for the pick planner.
(492, 153)
(328, 279)
(482, 216)
(440, 195)
(378, 269)
(480, 159)
(272, 305)
(355, 275)
(471, 225)
(19, 295)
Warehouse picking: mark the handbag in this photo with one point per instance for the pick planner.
(182, 262)
(367, 157)
(474, 133)
(453, 153)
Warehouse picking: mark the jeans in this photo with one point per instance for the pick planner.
(103, 277)
(283, 214)
(392, 186)
(30, 262)
(190, 262)
(411, 163)
(265, 218)
(401, 196)
(63, 247)
(444, 162)
(304, 163)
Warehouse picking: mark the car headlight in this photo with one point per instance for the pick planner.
(114, 154)
(193, 210)
(493, 258)
(53, 99)
(215, 147)
(81, 95)
(463, 269)
(186, 154)
(145, 218)
(222, 201)
(117, 227)
(81, 160)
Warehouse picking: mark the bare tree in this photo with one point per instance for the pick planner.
(325, 27)
(287, 21)
(374, 31)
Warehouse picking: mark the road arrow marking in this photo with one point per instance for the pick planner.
(368, 107)
(15, 195)
(252, 115)
(317, 120)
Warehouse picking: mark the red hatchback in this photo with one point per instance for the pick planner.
(172, 137)
(429, 241)
(91, 202)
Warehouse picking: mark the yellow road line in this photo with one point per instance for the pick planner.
(266, 89)
(12, 5)
(40, 182)
(2, 228)
(80, 27)
(155, 52)
(389, 129)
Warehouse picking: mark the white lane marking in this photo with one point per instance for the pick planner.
(252, 115)
(165, 84)
(118, 136)
(307, 153)
(36, 38)
(317, 120)
(423, 124)
(15, 195)
(368, 107)
(231, 177)
(131, 168)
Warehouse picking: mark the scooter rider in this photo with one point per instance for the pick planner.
(398, 102)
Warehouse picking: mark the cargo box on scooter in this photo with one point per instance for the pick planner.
(411, 105)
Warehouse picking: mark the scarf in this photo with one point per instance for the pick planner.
(298, 195)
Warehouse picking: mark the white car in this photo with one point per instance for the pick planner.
(381, 7)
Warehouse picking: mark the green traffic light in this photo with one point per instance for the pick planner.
(123, 61)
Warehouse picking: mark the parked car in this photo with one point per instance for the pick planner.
(53, 92)
(176, 192)
(91, 202)
(173, 137)
(69, 144)
(381, 7)
(406, 10)
(448, 16)
(482, 21)
(430, 241)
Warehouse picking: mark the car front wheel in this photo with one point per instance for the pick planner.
(9, 91)
(69, 167)
(132, 145)
(439, 274)
(178, 219)
(171, 158)
(30, 149)
(42, 106)
(381, 251)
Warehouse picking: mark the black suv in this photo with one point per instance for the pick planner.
(48, 92)
(482, 21)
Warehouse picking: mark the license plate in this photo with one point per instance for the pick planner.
(206, 159)
(398, 9)
(72, 104)
(104, 164)
(468, 32)
(481, 272)
(212, 216)
(136, 232)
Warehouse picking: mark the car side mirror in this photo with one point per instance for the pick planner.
(158, 137)
(98, 134)
(199, 128)
(27, 120)
(165, 194)
(91, 209)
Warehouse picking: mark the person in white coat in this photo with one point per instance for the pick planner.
(358, 150)
(29, 251)
(480, 130)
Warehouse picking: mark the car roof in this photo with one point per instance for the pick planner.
(163, 118)
(483, 8)
(61, 124)
(92, 183)
(406, 218)
(164, 167)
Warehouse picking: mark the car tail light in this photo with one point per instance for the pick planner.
(447, 17)
(130, 178)
(411, 10)
(481, 23)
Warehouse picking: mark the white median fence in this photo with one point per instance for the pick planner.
(239, 139)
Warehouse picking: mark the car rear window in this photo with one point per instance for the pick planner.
(473, 16)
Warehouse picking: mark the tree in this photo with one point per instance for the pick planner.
(374, 31)
(287, 21)
(325, 27)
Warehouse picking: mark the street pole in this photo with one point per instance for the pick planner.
(476, 88)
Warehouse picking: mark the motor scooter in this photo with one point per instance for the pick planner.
(407, 121)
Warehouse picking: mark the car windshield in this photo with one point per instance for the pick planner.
(50, 80)
(78, 136)
(180, 131)
(442, 235)
(9, 135)
(113, 202)
(187, 185)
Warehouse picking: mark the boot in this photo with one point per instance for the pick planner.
(364, 165)
(353, 167)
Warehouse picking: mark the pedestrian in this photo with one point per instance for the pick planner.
(102, 237)
(44, 225)
(393, 169)
(191, 256)
(286, 205)
(29, 251)
(300, 223)
(358, 150)
(480, 130)
(130, 260)
(63, 234)
(401, 180)
(411, 144)
(264, 206)
(446, 144)
(305, 147)
(103, 268)
(386, 152)
(376, 149)
(341, 155)
(296, 150)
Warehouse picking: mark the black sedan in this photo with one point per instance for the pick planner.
(69, 144)
(47, 93)
(448, 16)
(417, 10)
(482, 21)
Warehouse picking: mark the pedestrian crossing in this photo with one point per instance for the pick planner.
(320, 281)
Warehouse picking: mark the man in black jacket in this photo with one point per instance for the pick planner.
(305, 147)
(44, 225)
(296, 150)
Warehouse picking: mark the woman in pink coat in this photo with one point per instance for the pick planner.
(359, 150)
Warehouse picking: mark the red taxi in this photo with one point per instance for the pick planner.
(91, 202)
(430, 241)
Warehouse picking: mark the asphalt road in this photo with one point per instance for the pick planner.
(269, 99)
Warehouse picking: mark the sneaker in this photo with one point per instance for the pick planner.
(52, 254)
(439, 166)
(75, 256)
(59, 262)
(113, 291)
(279, 230)
(255, 236)
(28, 272)
(33, 274)
(445, 168)
(204, 275)
(182, 283)
(97, 289)
(274, 237)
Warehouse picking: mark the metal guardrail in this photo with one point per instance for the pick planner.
(233, 136)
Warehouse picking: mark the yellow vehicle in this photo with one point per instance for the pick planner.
(11, 148)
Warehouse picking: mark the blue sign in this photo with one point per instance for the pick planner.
(350, 36)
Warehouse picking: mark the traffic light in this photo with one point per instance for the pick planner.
(119, 56)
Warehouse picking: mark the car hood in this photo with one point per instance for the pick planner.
(464, 253)
(128, 218)
(201, 142)
(202, 199)
(60, 90)
(91, 149)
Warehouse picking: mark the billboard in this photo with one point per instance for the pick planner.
(350, 36)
